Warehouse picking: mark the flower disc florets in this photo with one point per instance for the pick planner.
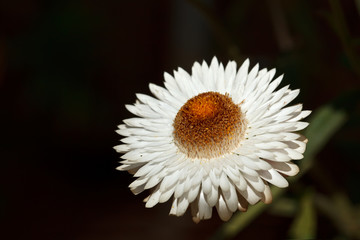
(208, 125)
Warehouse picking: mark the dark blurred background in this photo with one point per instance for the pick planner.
(68, 67)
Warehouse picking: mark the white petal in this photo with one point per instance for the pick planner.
(173, 88)
(153, 199)
(205, 211)
(157, 106)
(293, 154)
(230, 73)
(220, 83)
(169, 181)
(179, 189)
(130, 167)
(302, 115)
(193, 193)
(231, 199)
(249, 163)
(182, 206)
(286, 168)
(224, 182)
(297, 145)
(232, 174)
(249, 171)
(142, 110)
(164, 95)
(273, 177)
(250, 195)
(255, 181)
(138, 182)
(165, 196)
(271, 145)
(185, 84)
(213, 197)
(152, 181)
(267, 196)
(240, 80)
(206, 185)
(273, 85)
(224, 213)
(263, 165)
(286, 99)
(173, 209)
(122, 148)
(149, 169)
(214, 179)
(243, 184)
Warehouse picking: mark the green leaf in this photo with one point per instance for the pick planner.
(304, 225)
(284, 206)
(323, 124)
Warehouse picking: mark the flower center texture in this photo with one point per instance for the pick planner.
(209, 125)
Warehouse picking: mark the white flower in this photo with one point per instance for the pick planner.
(216, 137)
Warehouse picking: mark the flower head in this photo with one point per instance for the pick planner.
(215, 138)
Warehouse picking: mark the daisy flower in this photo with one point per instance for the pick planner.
(215, 138)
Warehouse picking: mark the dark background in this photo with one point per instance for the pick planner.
(68, 67)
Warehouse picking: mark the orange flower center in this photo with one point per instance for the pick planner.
(202, 107)
(209, 125)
